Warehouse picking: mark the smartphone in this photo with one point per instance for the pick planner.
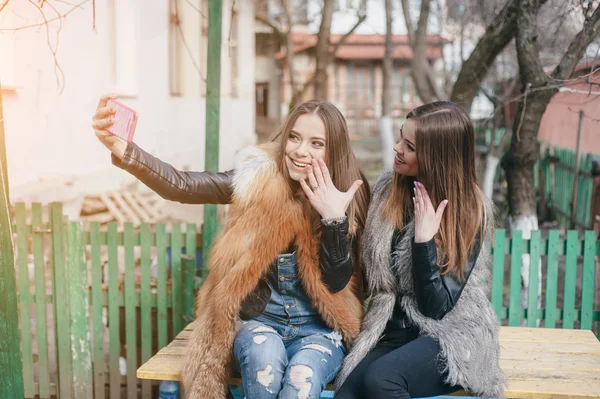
(125, 120)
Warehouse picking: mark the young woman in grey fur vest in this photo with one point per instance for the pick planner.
(430, 328)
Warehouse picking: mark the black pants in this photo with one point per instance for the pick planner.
(402, 365)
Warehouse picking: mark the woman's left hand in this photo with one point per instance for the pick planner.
(427, 219)
(323, 195)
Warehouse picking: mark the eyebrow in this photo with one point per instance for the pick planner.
(312, 138)
(407, 140)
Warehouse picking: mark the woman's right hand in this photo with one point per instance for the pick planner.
(102, 120)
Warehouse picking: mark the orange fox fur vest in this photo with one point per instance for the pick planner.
(264, 218)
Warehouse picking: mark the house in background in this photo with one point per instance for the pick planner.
(560, 123)
(354, 76)
(152, 56)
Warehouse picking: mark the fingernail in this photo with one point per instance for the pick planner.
(445, 201)
(415, 182)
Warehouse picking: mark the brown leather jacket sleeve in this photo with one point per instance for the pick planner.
(173, 184)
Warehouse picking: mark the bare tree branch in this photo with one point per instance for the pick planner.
(58, 71)
(4, 5)
(271, 25)
(177, 21)
(590, 31)
(289, 45)
(361, 18)
(322, 51)
(46, 21)
(422, 73)
(198, 10)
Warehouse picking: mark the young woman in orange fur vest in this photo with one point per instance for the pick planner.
(283, 298)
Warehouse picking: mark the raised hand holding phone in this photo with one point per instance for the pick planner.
(112, 129)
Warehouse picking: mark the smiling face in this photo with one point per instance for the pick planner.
(405, 161)
(305, 142)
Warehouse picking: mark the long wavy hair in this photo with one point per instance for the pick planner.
(445, 151)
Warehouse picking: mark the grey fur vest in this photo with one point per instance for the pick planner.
(468, 334)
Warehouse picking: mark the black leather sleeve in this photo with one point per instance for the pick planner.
(436, 294)
(173, 184)
(336, 263)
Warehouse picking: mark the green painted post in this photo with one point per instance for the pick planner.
(213, 98)
(11, 376)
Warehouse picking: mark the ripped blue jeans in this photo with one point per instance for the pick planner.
(287, 352)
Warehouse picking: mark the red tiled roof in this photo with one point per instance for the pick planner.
(358, 46)
(364, 52)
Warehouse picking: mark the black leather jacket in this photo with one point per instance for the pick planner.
(215, 188)
(436, 294)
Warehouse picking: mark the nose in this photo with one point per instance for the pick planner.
(302, 150)
(399, 148)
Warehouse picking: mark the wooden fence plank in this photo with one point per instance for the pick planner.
(79, 310)
(145, 303)
(552, 279)
(534, 267)
(176, 279)
(570, 280)
(130, 313)
(498, 270)
(41, 319)
(62, 307)
(587, 280)
(514, 300)
(161, 285)
(24, 300)
(98, 326)
(189, 273)
(113, 311)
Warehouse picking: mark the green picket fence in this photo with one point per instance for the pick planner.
(560, 172)
(94, 296)
(77, 352)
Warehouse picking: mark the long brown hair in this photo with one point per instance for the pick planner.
(445, 150)
(340, 159)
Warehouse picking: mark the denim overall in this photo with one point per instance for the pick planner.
(287, 352)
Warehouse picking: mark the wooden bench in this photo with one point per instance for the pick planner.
(538, 363)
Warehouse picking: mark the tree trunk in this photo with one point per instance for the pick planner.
(418, 40)
(386, 125)
(519, 161)
(496, 37)
(491, 164)
(322, 51)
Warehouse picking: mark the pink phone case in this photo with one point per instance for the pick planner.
(125, 120)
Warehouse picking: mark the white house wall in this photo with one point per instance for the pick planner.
(48, 133)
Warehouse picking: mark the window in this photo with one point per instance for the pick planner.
(123, 16)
